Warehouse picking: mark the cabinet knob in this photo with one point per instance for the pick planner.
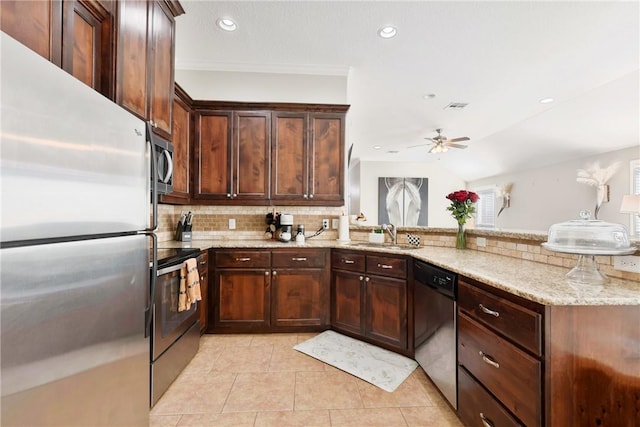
(485, 421)
(361, 278)
(266, 273)
(235, 195)
(311, 196)
(488, 311)
(228, 195)
(274, 273)
(488, 360)
(305, 196)
(366, 279)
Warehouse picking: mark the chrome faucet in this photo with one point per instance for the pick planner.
(393, 232)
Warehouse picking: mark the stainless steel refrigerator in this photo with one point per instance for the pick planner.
(74, 257)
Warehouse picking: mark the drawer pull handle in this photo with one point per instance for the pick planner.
(388, 267)
(348, 261)
(487, 359)
(485, 421)
(243, 259)
(203, 262)
(487, 311)
(299, 259)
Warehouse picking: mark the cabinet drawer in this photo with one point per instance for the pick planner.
(476, 407)
(243, 258)
(348, 261)
(514, 321)
(298, 258)
(387, 266)
(509, 373)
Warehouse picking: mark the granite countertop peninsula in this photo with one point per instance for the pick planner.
(542, 283)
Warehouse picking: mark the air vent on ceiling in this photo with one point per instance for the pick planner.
(456, 106)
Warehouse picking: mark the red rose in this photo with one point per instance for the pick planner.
(460, 196)
(473, 197)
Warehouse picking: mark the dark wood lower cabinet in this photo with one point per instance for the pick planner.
(477, 407)
(242, 298)
(385, 316)
(370, 306)
(270, 290)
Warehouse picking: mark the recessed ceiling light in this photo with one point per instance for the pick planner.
(393, 151)
(429, 96)
(387, 32)
(546, 101)
(377, 147)
(226, 24)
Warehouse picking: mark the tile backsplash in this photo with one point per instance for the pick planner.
(212, 222)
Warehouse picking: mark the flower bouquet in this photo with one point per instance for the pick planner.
(462, 208)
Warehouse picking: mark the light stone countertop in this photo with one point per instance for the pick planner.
(534, 281)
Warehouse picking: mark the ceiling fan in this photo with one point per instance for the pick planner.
(441, 143)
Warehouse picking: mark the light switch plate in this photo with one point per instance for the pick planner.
(481, 242)
(232, 223)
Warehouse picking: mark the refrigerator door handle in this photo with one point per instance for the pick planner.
(154, 182)
(152, 284)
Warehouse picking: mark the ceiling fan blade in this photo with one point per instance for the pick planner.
(462, 138)
(419, 145)
(455, 145)
(431, 139)
(433, 149)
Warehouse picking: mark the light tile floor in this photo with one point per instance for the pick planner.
(260, 380)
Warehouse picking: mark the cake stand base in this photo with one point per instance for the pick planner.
(587, 272)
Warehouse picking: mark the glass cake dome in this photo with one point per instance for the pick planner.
(588, 238)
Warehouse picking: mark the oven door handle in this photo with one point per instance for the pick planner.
(170, 269)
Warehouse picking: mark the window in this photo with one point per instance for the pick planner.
(634, 168)
(486, 208)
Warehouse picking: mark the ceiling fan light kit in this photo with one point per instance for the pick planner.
(441, 143)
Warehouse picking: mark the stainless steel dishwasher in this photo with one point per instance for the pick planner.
(435, 326)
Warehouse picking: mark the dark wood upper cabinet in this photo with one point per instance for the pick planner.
(76, 35)
(232, 159)
(308, 158)
(182, 157)
(36, 24)
(87, 34)
(145, 60)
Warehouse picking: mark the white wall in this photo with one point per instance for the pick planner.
(441, 183)
(263, 87)
(542, 197)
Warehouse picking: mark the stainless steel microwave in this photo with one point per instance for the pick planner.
(162, 173)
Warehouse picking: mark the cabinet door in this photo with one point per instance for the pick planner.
(35, 24)
(347, 301)
(290, 176)
(251, 155)
(161, 54)
(86, 44)
(386, 310)
(300, 297)
(181, 139)
(242, 298)
(132, 61)
(213, 156)
(326, 159)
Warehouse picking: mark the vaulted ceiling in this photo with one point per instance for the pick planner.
(501, 58)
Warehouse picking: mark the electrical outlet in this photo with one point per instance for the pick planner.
(627, 263)
(325, 224)
(232, 223)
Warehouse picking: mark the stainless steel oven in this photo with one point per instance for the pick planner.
(175, 335)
